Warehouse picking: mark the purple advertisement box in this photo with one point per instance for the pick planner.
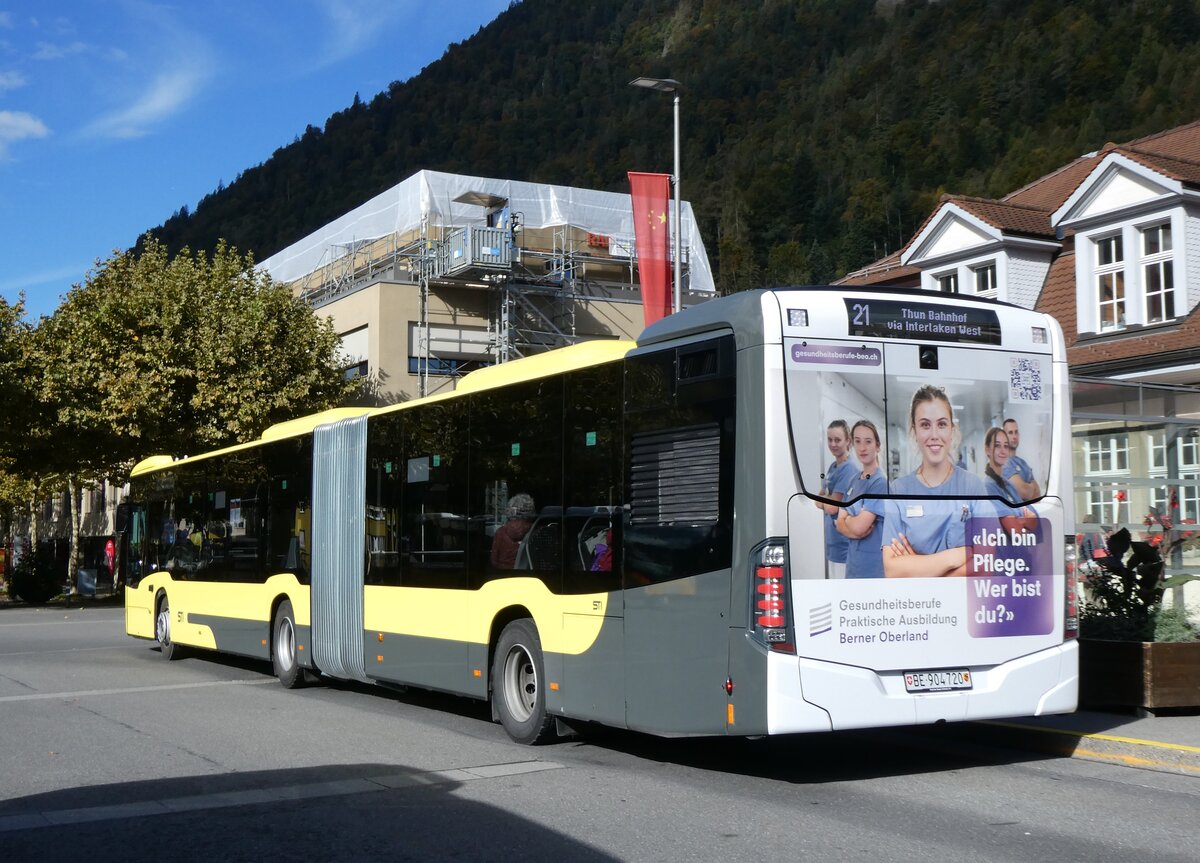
(1010, 579)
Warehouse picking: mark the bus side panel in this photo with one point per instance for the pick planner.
(676, 656)
(139, 609)
(594, 680)
(232, 617)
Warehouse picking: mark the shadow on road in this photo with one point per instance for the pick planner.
(359, 812)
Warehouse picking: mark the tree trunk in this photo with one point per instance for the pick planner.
(73, 553)
(33, 522)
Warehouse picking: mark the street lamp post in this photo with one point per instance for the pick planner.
(670, 85)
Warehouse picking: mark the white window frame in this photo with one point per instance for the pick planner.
(1103, 504)
(1105, 455)
(1162, 262)
(988, 273)
(1115, 272)
(948, 278)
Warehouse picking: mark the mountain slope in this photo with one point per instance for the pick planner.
(817, 134)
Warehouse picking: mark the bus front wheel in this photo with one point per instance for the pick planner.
(518, 684)
(162, 631)
(283, 651)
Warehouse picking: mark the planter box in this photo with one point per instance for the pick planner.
(1141, 674)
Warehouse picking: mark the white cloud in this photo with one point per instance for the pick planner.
(45, 277)
(18, 126)
(355, 25)
(164, 96)
(55, 51)
(11, 81)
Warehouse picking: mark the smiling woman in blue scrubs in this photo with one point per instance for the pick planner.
(862, 521)
(925, 537)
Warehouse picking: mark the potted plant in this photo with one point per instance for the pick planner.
(1134, 652)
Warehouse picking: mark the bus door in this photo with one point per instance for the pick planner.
(339, 547)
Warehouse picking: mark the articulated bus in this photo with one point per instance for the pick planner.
(782, 511)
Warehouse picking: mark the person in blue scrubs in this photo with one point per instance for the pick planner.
(998, 451)
(861, 522)
(1017, 471)
(834, 486)
(923, 536)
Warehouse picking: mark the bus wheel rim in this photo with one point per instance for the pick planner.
(285, 644)
(162, 628)
(520, 683)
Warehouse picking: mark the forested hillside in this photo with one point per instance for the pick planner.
(817, 133)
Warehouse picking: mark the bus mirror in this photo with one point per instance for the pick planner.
(928, 358)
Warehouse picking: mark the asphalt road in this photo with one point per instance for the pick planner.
(109, 753)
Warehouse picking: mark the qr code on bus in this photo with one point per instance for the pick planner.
(1025, 380)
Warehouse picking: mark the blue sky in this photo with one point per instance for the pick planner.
(115, 113)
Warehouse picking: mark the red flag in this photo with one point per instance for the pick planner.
(651, 194)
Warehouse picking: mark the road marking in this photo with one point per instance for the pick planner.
(1179, 747)
(88, 693)
(258, 796)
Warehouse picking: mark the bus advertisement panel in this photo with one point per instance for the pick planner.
(930, 463)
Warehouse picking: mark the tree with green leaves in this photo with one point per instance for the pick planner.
(159, 354)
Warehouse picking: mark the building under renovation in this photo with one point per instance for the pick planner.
(445, 273)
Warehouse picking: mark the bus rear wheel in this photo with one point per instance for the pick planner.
(168, 650)
(518, 688)
(284, 657)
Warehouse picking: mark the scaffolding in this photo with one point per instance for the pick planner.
(534, 292)
(539, 256)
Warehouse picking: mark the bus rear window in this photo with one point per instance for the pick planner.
(922, 420)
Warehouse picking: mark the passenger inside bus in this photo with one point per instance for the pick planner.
(518, 519)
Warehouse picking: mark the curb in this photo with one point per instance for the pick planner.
(1089, 746)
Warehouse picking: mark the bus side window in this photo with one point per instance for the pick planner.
(591, 532)
(679, 428)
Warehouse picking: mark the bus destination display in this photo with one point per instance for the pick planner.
(899, 319)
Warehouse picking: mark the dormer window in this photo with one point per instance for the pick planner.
(1110, 282)
(948, 283)
(1158, 273)
(985, 278)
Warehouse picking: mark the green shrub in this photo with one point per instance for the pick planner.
(36, 578)
(1172, 624)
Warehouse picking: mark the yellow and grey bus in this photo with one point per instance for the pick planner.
(781, 511)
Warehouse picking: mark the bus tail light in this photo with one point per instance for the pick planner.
(1071, 593)
(769, 604)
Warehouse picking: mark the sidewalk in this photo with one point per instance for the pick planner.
(1166, 743)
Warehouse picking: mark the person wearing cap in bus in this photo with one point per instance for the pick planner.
(507, 541)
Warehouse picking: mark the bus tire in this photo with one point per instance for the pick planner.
(284, 658)
(518, 684)
(167, 648)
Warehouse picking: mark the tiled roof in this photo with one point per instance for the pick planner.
(1182, 142)
(1057, 298)
(1008, 217)
(1134, 343)
(886, 271)
(1048, 192)
(1176, 169)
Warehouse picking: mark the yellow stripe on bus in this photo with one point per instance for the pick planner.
(467, 615)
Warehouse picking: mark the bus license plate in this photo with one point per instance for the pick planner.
(937, 681)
